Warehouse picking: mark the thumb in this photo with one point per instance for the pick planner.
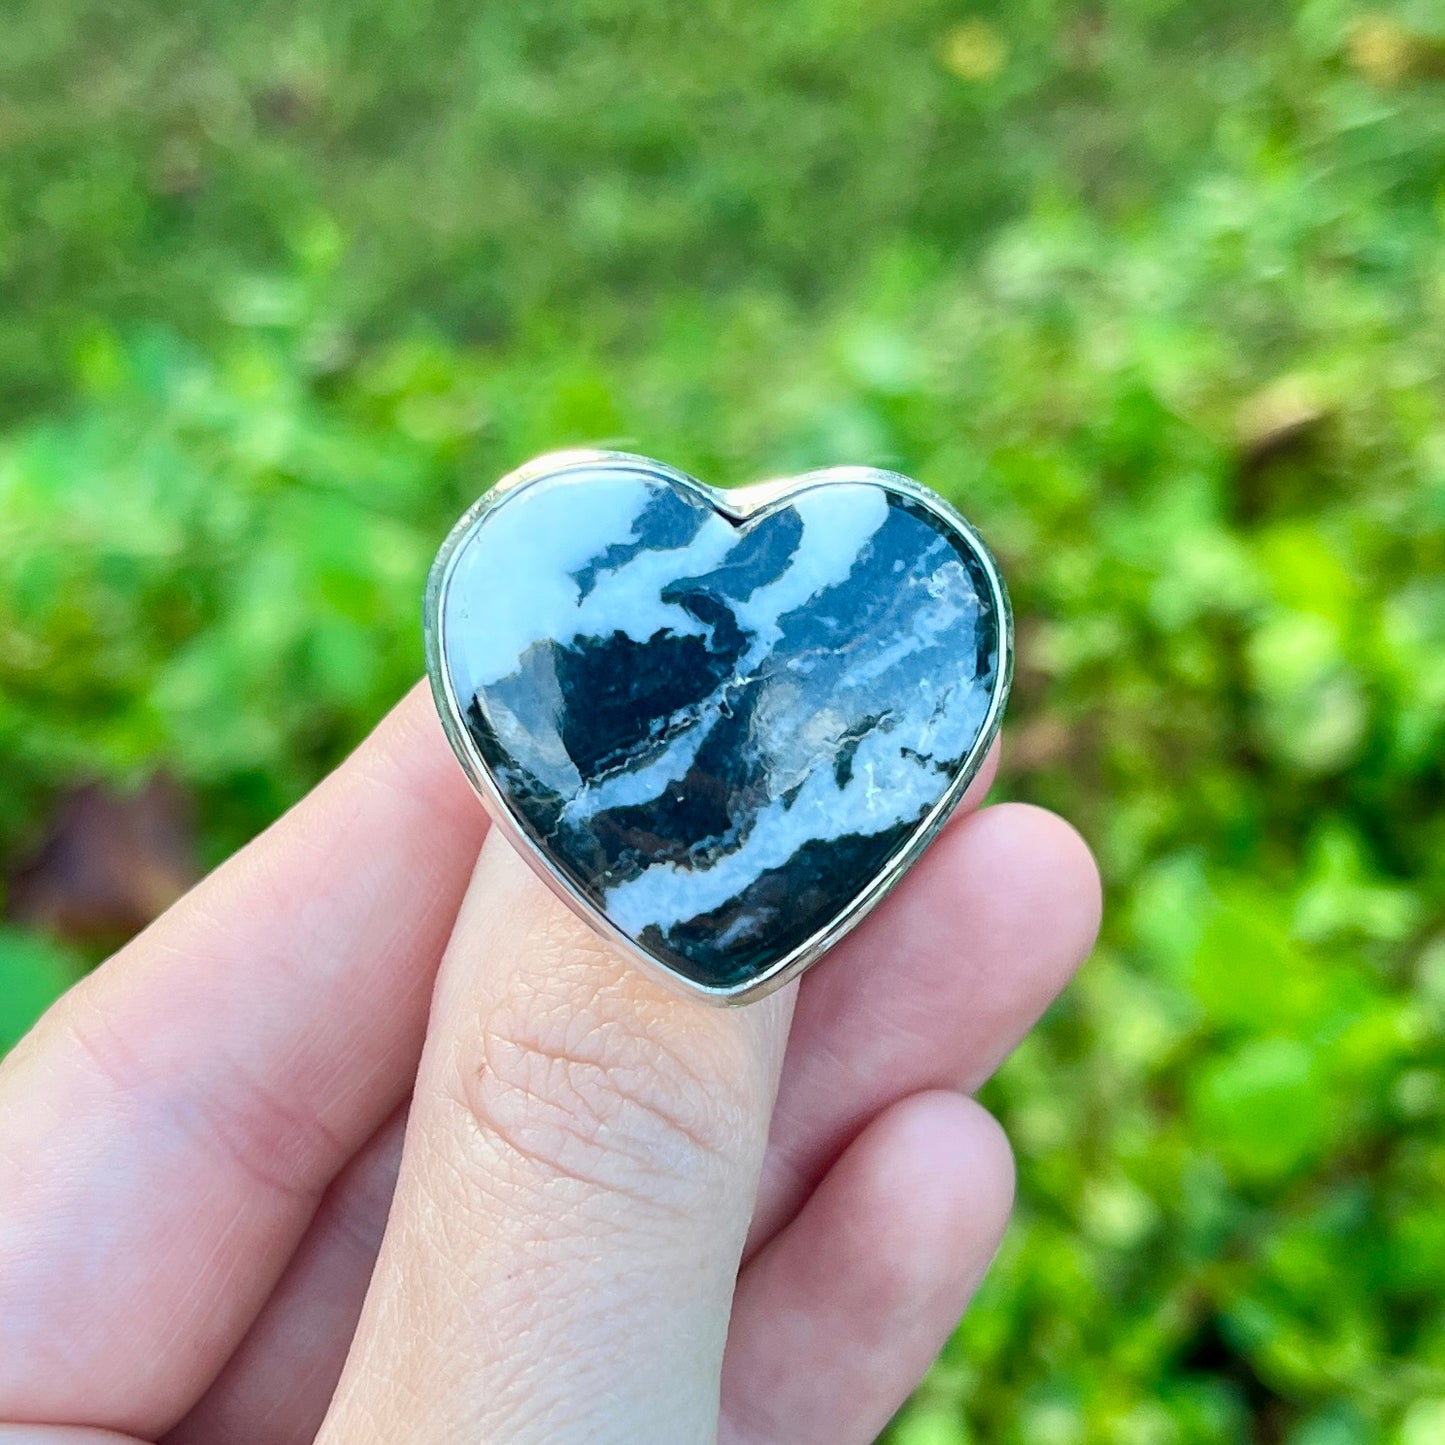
(579, 1172)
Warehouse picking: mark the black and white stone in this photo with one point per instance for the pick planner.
(720, 733)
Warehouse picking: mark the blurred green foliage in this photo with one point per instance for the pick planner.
(1155, 291)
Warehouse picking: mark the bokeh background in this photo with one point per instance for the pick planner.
(1155, 291)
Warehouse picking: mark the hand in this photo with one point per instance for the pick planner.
(369, 1139)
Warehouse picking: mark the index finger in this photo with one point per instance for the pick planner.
(170, 1125)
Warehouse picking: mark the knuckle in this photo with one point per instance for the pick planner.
(242, 1122)
(607, 1094)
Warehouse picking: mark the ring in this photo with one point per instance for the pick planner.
(721, 725)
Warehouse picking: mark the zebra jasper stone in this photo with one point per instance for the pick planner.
(720, 732)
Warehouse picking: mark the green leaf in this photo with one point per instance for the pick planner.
(1265, 1107)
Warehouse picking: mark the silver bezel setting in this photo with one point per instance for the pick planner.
(742, 505)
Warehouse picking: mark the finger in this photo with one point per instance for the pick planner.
(932, 991)
(839, 1317)
(276, 1387)
(170, 1125)
(580, 1164)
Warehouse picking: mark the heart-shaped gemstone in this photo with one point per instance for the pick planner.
(723, 723)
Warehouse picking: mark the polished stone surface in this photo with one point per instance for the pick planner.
(720, 734)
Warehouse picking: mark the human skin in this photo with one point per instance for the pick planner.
(369, 1139)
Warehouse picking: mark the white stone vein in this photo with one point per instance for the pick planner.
(635, 786)
(892, 782)
(531, 595)
(513, 583)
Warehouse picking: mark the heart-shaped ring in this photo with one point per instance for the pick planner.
(720, 724)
